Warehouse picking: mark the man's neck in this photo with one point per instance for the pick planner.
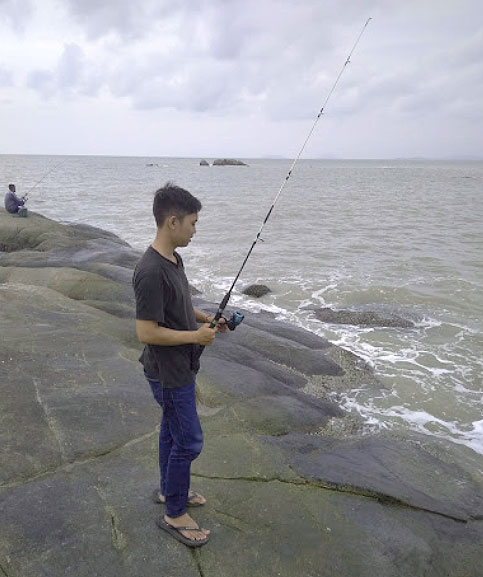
(165, 248)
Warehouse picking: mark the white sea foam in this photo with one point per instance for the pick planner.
(410, 362)
(419, 421)
(427, 323)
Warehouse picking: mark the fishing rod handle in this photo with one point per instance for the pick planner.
(216, 318)
(213, 324)
(221, 308)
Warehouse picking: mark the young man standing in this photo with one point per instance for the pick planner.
(167, 323)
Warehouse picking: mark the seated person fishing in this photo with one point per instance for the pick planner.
(12, 201)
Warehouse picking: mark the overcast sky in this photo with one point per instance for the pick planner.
(241, 78)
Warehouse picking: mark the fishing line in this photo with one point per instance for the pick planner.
(226, 298)
(45, 176)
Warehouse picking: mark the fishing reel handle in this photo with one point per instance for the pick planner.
(232, 323)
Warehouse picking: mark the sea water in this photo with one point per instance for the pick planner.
(392, 236)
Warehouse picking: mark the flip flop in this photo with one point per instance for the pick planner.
(191, 503)
(176, 533)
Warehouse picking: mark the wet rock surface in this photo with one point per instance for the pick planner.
(362, 318)
(256, 290)
(78, 441)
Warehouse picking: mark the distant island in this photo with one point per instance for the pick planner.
(224, 162)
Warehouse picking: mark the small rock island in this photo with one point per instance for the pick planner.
(228, 162)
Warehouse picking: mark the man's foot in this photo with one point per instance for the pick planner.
(184, 529)
(194, 499)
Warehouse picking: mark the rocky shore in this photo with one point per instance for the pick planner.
(294, 486)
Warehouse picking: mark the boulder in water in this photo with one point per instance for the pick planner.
(256, 290)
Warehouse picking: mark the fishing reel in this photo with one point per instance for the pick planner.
(235, 320)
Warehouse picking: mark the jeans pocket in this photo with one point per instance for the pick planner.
(156, 389)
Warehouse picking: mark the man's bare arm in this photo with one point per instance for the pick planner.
(202, 317)
(150, 333)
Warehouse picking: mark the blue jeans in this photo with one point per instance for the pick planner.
(180, 442)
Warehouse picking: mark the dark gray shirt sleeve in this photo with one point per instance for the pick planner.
(149, 291)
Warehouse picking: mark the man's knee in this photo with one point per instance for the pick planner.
(195, 445)
(190, 445)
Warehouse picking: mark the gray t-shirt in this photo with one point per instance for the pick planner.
(163, 295)
(13, 202)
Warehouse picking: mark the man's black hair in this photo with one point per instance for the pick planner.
(172, 199)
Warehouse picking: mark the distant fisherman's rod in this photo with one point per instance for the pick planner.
(45, 176)
(226, 298)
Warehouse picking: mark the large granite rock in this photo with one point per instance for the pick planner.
(286, 495)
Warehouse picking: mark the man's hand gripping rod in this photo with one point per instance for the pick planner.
(226, 298)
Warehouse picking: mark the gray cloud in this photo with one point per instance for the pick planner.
(6, 77)
(43, 82)
(70, 77)
(266, 61)
(16, 13)
(130, 20)
(230, 56)
(70, 67)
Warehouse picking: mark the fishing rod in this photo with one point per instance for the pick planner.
(25, 196)
(237, 318)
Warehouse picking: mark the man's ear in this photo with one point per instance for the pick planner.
(172, 220)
